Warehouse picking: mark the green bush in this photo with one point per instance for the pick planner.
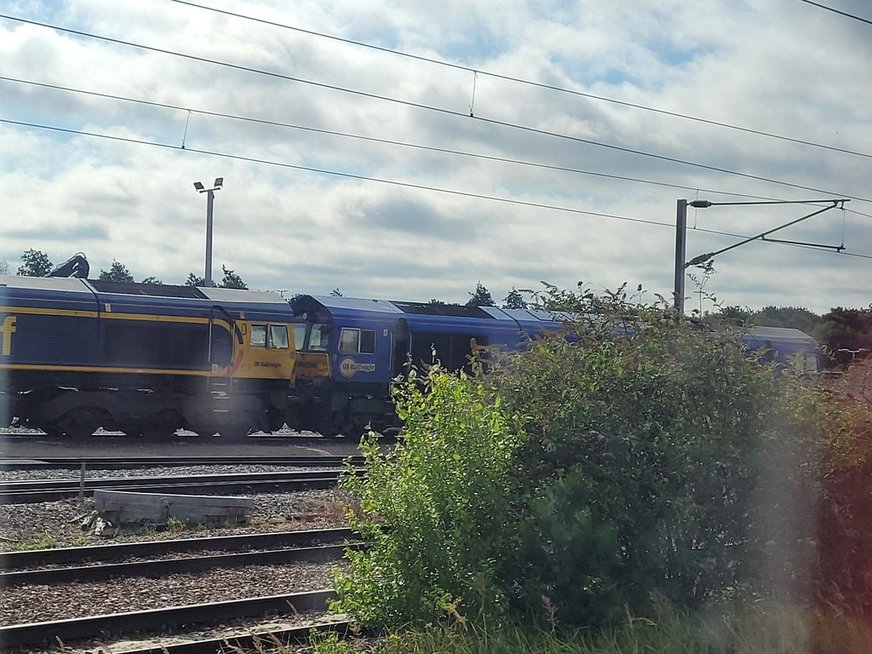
(672, 444)
(579, 478)
(435, 510)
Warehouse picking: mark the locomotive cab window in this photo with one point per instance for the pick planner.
(356, 341)
(258, 336)
(299, 334)
(270, 336)
(278, 337)
(319, 337)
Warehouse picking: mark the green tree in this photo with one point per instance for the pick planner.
(118, 272)
(793, 317)
(436, 511)
(194, 280)
(734, 315)
(514, 300)
(845, 329)
(4, 267)
(35, 263)
(231, 279)
(481, 297)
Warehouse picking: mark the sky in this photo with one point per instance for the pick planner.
(407, 150)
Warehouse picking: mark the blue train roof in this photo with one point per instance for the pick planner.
(138, 297)
(428, 317)
(782, 338)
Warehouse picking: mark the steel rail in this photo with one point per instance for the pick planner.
(159, 480)
(135, 621)
(49, 490)
(161, 567)
(259, 642)
(122, 462)
(119, 551)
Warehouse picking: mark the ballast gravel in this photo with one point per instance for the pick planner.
(38, 603)
(152, 471)
(58, 524)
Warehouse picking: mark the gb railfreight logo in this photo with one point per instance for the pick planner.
(349, 367)
(7, 329)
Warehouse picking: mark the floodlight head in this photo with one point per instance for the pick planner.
(218, 182)
(199, 186)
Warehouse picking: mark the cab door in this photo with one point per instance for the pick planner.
(266, 351)
(363, 355)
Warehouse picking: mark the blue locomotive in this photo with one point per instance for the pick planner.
(147, 359)
(351, 349)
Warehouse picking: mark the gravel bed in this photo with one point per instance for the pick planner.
(58, 524)
(152, 471)
(39, 603)
(229, 631)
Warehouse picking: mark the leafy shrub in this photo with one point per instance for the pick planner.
(435, 510)
(582, 477)
(674, 444)
(844, 533)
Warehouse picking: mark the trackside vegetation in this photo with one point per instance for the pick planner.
(632, 480)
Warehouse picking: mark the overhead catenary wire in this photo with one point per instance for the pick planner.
(393, 142)
(411, 185)
(442, 110)
(527, 82)
(371, 139)
(837, 11)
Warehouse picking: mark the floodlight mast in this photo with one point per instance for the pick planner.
(210, 200)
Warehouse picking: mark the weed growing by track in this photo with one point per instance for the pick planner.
(40, 540)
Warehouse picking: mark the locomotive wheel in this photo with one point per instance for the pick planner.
(151, 432)
(52, 430)
(203, 430)
(275, 419)
(160, 426)
(80, 423)
(234, 431)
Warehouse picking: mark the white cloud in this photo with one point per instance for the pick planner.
(779, 67)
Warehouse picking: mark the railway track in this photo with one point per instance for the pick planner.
(47, 490)
(122, 462)
(300, 546)
(290, 604)
(90, 563)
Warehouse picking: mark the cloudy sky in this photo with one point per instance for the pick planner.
(409, 149)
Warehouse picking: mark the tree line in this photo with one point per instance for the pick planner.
(844, 333)
(35, 263)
